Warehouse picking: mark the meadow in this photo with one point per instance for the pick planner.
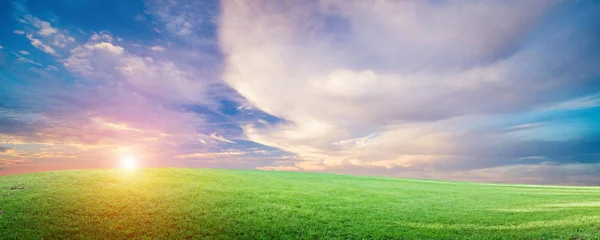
(171, 203)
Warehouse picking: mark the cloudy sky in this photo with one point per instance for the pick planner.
(499, 91)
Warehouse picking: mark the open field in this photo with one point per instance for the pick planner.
(224, 204)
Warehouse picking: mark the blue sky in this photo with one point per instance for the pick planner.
(500, 91)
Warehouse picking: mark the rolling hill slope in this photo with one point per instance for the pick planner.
(224, 204)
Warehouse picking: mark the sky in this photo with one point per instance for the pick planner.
(492, 91)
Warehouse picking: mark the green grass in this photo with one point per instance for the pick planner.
(226, 204)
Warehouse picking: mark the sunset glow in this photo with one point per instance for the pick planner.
(299, 119)
(495, 91)
(129, 163)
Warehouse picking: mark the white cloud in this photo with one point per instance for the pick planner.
(189, 20)
(43, 35)
(62, 40)
(94, 59)
(180, 23)
(47, 31)
(106, 46)
(264, 152)
(23, 52)
(220, 138)
(40, 45)
(162, 78)
(589, 101)
(27, 60)
(52, 68)
(101, 59)
(341, 71)
(245, 108)
(1, 47)
(44, 28)
(210, 155)
(180, 26)
(157, 48)
(311, 76)
(101, 36)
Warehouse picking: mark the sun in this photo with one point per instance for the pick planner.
(128, 162)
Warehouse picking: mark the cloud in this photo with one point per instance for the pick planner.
(44, 28)
(329, 84)
(210, 155)
(220, 138)
(27, 60)
(189, 20)
(114, 96)
(40, 45)
(157, 48)
(62, 40)
(22, 52)
(106, 46)
(43, 35)
(584, 102)
(104, 61)
(384, 84)
(94, 58)
(97, 123)
(106, 113)
(427, 89)
(102, 36)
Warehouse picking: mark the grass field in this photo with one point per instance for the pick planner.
(226, 204)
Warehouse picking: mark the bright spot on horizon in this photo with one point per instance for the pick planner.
(128, 162)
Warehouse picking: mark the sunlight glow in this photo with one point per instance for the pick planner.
(128, 162)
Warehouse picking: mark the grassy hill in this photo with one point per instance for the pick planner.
(225, 204)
